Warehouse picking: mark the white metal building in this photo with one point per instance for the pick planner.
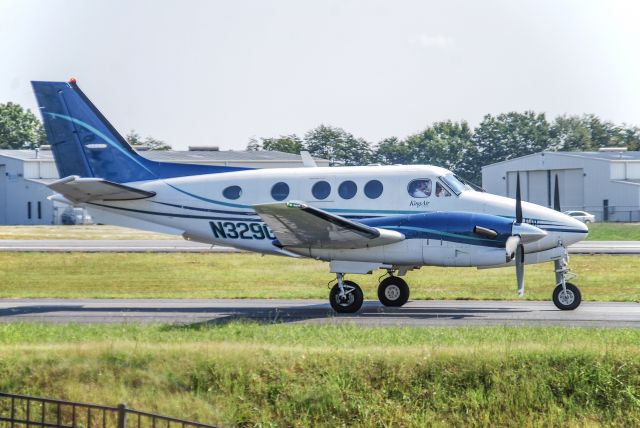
(24, 175)
(605, 183)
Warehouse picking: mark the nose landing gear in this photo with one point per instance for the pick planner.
(566, 296)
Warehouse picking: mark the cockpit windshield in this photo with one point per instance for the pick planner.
(455, 184)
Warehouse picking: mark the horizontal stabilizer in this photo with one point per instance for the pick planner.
(78, 189)
(298, 225)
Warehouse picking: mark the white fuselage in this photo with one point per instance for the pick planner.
(196, 207)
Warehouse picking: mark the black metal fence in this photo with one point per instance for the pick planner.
(23, 411)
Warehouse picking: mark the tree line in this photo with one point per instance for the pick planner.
(456, 146)
(450, 144)
(21, 129)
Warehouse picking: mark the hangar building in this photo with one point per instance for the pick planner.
(24, 175)
(604, 183)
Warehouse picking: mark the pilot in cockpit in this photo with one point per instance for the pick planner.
(441, 191)
(421, 188)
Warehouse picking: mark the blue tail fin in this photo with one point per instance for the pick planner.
(84, 143)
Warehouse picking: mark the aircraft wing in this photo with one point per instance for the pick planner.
(296, 224)
(78, 189)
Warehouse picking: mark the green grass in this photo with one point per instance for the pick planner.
(108, 275)
(614, 232)
(246, 374)
(78, 232)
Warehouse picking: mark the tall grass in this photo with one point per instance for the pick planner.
(246, 374)
(254, 276)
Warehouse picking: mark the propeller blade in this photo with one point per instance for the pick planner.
(556, 196)
(518, 200)
(520, 269)
(511, 246)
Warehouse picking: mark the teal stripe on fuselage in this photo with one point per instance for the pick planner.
(439, 232)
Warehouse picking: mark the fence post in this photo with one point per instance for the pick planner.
(122, 415)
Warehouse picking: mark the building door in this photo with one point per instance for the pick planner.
(571, 183)
(538, 186)
(3, 194)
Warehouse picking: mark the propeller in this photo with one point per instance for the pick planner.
(521, 232)
(518, 201)
(556, 196)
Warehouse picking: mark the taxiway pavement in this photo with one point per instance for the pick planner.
(415, 313)
(182, 246)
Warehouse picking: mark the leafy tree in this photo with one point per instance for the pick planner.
(19, 128)
(254, 145)
(285, 143)
(630, 137)
(134, 139)
(589, 133)
(392, 151)
(511, 135)
(447, 144)
(338, 146)
(570, 133)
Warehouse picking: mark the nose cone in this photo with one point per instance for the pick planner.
(578, 225)
(527, 232)
(577, 230)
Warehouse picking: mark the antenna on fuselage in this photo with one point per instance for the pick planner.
(307, 159)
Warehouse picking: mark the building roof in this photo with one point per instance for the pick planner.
(179, 156)
(606, 156)
(628, 155)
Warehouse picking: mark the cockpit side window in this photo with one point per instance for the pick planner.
(441, 192)
(419, 188)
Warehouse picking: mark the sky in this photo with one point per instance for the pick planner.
(221, 72)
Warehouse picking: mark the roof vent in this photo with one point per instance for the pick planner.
(204, 148)
(612, 149)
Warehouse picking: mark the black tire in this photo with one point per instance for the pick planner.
(393, 291)
(569, 302)
(354, 298)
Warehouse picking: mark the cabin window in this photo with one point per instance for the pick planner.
(321, 190)
(420, 188)
(232, 192)
(373, 189)
(280, 191)
(347, 189)
(441, 191)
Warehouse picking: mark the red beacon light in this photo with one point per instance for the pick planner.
(72, 80)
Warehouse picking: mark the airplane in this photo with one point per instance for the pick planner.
(360, 219)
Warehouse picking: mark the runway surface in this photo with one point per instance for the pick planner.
(182, 246)
(416, 313)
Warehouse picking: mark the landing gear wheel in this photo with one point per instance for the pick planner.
(393, 291)
(569, 300)
(352, 300)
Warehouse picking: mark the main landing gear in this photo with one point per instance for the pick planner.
(346, 297)
(393, 291)
(566, 296)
